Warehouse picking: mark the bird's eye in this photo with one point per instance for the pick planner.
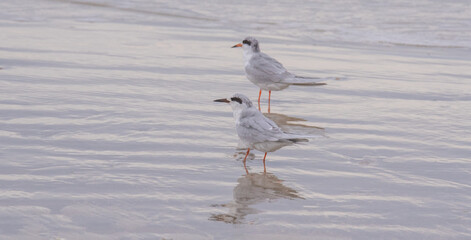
(236, 99)
(247, 42)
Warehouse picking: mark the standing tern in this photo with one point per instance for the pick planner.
(267, 73)
(257, 131)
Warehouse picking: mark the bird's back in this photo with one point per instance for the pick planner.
(253, 127)
(259, 132)
(263, 69)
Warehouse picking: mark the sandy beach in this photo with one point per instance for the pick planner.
(108, 129)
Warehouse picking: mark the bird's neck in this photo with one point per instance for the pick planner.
(237, 114)
(248, 54)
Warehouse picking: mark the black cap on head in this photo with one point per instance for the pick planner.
(252, 42)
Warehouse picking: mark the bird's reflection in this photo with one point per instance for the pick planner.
(292, 125)
(254, 188)
(251, 189)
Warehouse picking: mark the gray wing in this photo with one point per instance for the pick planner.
(265, 68)
(254, 128)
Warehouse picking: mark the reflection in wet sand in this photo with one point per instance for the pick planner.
(251, 189)
(287, 124)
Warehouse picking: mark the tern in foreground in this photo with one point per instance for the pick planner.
(255, 130)
(267, 73)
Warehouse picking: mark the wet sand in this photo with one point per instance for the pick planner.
(108, 131)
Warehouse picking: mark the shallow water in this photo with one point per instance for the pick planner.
(108, 129)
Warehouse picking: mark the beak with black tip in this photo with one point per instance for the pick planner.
(237, 45)
(222, 100)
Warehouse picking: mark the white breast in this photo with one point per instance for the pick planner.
(247, 52)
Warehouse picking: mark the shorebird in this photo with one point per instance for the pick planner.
(267, 73)
(257, 131)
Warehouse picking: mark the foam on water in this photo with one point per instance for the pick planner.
(422, 23)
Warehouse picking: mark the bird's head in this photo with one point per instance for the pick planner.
(249, 44)
(238, 102)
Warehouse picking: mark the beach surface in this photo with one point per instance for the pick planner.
(108, 129)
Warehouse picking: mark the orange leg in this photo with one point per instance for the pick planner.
(264, 167)
(269, 96)
(245, 166)
(259, 95)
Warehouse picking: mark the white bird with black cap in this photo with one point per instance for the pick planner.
(257, 131)
(267, 73)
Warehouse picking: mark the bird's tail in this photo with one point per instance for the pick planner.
(295, 138)
(298, 140)
(308, 81)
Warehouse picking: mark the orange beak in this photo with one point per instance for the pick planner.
(237, 45)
